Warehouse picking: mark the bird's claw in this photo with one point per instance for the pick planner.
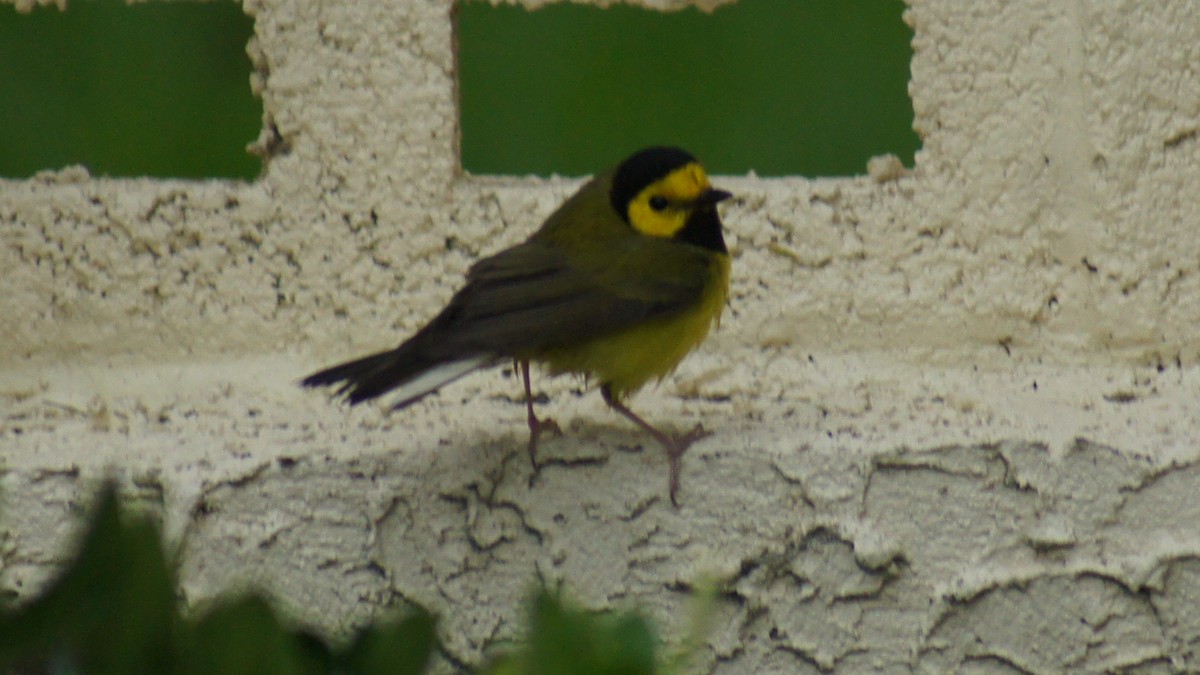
(538, 427)
(679, 444)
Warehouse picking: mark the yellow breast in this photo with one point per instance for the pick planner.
(651, 350)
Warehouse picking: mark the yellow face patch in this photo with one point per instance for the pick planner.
(663, 207)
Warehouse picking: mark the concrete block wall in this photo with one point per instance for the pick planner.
(955, 410)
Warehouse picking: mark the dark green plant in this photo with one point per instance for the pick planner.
(564, 640)
(113, 611)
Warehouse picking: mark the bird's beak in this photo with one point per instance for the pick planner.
(711, 197)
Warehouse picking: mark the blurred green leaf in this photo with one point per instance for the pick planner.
(701, 615)
(111, 611)
(567, 641)
(399, 647)
(244, 637)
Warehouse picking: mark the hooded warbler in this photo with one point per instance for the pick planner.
(619, 283)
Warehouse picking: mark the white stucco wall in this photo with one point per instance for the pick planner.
(956, 412)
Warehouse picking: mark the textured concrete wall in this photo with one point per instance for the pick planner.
(955, 411)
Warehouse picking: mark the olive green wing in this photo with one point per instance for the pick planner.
(536, 296)
(530, 298)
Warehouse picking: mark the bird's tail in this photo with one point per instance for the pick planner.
(403, 370)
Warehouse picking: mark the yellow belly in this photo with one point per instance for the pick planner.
(631, 358)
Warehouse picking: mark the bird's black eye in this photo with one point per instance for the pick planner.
(658, 202)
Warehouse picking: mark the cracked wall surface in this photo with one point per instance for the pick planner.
(954, 408)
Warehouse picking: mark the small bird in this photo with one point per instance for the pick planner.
(623, 280)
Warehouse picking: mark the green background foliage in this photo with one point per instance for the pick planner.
(810, 87)
(155, 89)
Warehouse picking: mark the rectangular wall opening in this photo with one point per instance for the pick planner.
(780, 87)
(149, 89)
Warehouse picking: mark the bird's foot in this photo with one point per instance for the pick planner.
(537, 427)
(676, 445)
